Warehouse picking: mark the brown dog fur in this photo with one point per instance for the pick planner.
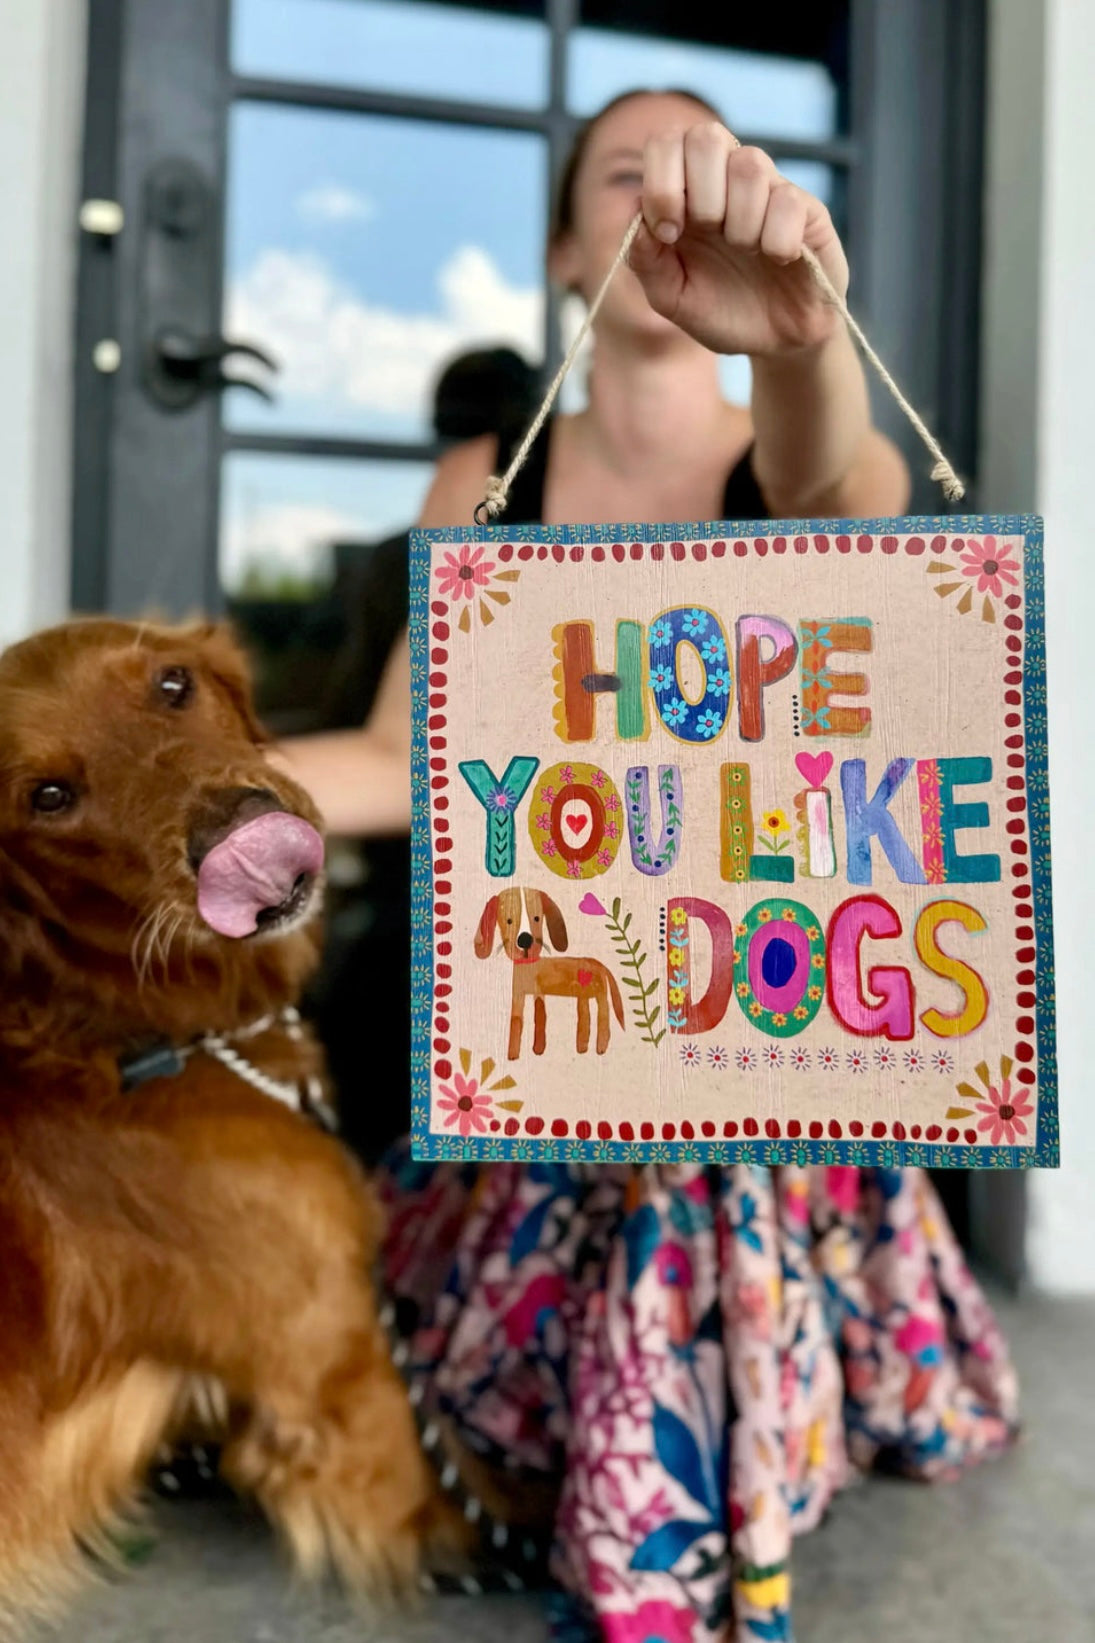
(194, 1234)
(535, 976)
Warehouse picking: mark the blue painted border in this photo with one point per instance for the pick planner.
(891, 1154)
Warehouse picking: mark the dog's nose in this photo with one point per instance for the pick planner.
(221, 812)
(524, 941)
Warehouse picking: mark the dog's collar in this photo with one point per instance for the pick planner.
(167, 1060)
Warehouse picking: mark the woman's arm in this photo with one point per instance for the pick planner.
(815, 450)
(361, 779)
(720, 254)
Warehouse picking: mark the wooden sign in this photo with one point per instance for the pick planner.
(732, 846)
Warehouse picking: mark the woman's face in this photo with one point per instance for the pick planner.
(607, 194)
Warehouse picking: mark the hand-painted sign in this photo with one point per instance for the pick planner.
(733, 845)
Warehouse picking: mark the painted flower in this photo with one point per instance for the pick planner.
(657, 1621)
(756, 1010)
(694, 623)
(713, 649)
(718, 1058)
(800, 1060)
(856, 1061)
(989, 565)
(718, 684)
(659, 633)
(742, 989)
(885, 1058)
(465, 1105)
(914, 1061)
(818, 961)
(547, 795)
(800, 1012)
(676, 995)
(922, 1340)
(547, 847)
(662, 678)
(842, 1186)
(590, 904)
(678, 916)
(775, 823)
(500, 800)
(709, 723)
(543, 821)
(788, 915)
(943, 1061)
(827, 1058)
(690, 1053)
(1003, 1114)
(598, 777)
(674, 1266)
(612, 831)
(772, 1055)
(778, 1019)
(463, 573)
(812, 932)
(566, 775)
(612, 802)
(813, 993)
(675, 712)
(746, 1060)
(764, 915)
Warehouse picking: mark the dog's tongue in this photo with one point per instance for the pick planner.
(254, 868)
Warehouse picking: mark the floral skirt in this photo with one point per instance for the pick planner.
(700, 1357)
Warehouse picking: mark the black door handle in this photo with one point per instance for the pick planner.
(183, 358)
(184, 366)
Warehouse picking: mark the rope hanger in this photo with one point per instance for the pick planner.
(498, 488)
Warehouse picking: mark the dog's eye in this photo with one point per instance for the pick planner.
(175, 686)
(50, 798)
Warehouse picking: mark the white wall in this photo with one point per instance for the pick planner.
(41, 96)
(1039, 451)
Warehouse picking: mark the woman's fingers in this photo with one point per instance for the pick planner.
(663, 186)
(784, 229)
(707, 151)
(750, 176)
(701, 179)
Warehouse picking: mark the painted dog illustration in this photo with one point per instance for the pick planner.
(526, 920)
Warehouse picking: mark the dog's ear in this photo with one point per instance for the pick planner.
(224, 656)
(557, 930)
(484, 936)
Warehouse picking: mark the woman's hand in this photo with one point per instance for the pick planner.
(720, 249)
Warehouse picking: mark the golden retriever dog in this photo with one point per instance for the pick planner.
(172, 1228)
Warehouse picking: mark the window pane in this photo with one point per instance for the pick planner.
(297, 537)
(286, 519)
(755, 93)
(391, 45)
(364, 252)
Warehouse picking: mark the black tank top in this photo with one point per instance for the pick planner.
(741, 499)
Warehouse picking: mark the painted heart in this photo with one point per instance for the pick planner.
(814, 766)
(585, 977)
(577, 824)
(590, 904)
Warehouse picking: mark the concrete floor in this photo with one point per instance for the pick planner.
(1005, 1556)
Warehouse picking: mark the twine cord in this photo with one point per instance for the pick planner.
(953, 488)
(498, 488)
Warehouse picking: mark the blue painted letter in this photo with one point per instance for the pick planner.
(500, 800)
(864, 819)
